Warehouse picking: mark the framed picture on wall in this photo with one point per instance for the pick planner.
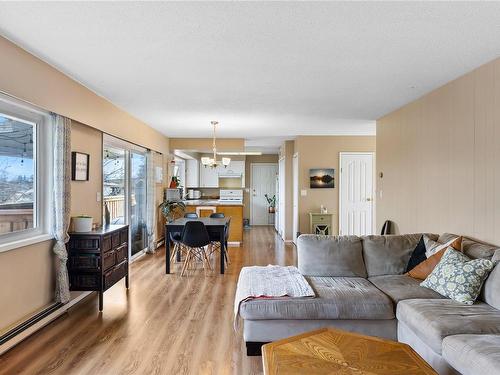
(80, 166)
(322, 178)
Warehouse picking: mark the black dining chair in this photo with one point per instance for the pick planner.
(195, 238)
(191, 215)
(216, 244)
(176, 239)
(217, 215)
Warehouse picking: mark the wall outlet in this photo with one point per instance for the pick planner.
(303, 193)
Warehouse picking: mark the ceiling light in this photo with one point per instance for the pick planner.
(212, 162)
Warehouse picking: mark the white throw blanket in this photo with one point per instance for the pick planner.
(269, 282)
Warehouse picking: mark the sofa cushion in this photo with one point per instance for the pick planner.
(432, 247)
(491, 289)
(401, 287)
(330, 256)
(425, 268)
(337, 298)
(417, 255)
(434, 319)
(388, 255)
(473, 354)
(471, 248)
(459, 277)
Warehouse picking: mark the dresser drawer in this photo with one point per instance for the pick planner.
(85, 281)
(115, 240)
(84, 262)
(108, 260)
(124, 236)
(121, 253)
(115, 274)
(84, 244)
(106, 243)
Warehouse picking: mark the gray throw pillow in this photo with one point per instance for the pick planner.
(458, 277)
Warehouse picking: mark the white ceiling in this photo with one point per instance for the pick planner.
(269, 69)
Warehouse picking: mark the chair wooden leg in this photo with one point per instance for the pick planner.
(174, 252)
(186, 262)
(207, 259)
(226, 255)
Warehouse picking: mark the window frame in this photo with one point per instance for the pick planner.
(42, 162)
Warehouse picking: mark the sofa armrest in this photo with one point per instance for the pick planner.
(330, 256)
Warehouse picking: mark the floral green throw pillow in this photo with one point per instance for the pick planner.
(458, 277)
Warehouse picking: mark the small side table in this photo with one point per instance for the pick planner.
(321, 223)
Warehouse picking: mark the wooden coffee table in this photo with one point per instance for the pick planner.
(332, 351)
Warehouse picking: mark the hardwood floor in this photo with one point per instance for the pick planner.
(164, 324)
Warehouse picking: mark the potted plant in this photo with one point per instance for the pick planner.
(271, 201)
(82, 223)
(169, 209)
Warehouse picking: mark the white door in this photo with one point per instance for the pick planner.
(295, 171)
(356, 193)
(263, 182)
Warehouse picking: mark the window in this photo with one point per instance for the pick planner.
(24, 157)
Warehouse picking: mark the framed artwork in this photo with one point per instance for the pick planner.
(322, 178)
(80, 166)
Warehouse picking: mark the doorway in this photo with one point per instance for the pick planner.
(263, 176)
(356, 193)
(125, 189)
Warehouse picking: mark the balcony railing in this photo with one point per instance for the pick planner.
(116, 206)
(15, 217)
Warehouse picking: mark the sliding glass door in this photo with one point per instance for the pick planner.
(124, 189)
(138, 196)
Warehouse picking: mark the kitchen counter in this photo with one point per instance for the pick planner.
(210, 202)
(206, 207)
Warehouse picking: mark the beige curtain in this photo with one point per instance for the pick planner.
(61, 202)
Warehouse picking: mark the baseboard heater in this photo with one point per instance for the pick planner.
(28, 323)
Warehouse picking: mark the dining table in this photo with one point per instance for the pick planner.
(216, 228)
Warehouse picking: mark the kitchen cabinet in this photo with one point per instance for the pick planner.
(192, 173)
(209, 177)
(236, 167)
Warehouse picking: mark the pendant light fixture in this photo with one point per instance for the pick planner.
(207, 161)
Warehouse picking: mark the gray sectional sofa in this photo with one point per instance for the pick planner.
(360, 287)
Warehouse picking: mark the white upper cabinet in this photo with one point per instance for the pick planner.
(192, 173)
(209, 177)
(235, 167)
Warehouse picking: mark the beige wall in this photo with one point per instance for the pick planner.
(250, 159)
(27, 282)
(27, 274)
(440, 157)
(29, 78)
(323, 152)
(84, 193)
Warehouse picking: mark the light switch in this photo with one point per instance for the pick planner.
(98, 196)
(303, 193)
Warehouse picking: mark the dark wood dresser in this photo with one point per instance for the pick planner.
(98, 259)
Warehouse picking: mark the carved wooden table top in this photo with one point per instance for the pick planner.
(332, 351)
